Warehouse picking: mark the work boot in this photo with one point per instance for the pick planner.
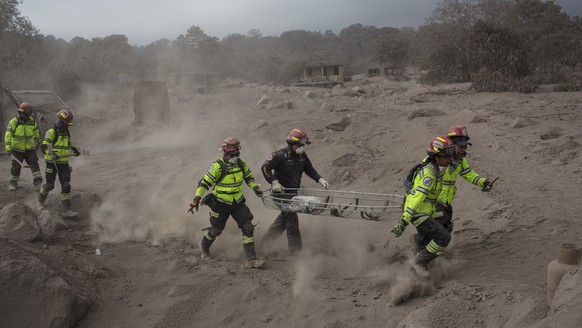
(251, 257)
(66, 205)
(205, 248)
(37, 183)
(420, 269)
(414, 243)
(67, 209)
(42, 198)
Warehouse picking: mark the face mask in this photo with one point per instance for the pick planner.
(442, 168)
(299, 150)
(233, 160)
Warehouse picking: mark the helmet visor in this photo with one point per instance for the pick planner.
(448, 151)
(301, 141)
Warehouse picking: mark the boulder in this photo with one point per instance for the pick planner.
(18, 221)
(341, 125)
(34, 295)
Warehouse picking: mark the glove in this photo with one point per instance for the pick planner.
(258, 192)
(276, 186)
(76, 151)
(324, 183)
(195, 203)
(487, 185)
(398, 228)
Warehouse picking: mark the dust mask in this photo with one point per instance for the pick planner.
(233, 160)
(300, 150)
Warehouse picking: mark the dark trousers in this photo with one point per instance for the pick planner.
(438, 239)
(285, 221)
(64, 173)
(28, 156)
(240, 213)
(242, 216)
(445, 218)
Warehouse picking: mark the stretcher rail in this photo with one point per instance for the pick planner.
(336, 203)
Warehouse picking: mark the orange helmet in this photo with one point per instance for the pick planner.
(25, 108)
(230, 144)
(441, 146)
(65, 115)
(297, 136)
(459, 135)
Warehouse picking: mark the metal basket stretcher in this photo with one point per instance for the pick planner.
(344, 204)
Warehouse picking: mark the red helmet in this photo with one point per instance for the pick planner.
(230, 144)
(441, 146)
(25, 108)
(66, 116)
(459, 135)
(297, 136)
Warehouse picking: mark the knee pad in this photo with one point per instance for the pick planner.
(48, 186)
(248, 228)
(66, 187)
(214, 232)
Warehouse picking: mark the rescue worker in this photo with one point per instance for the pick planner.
(226, 177)
(22, 139)
(420, 204)
(459, 166)
(283, 169)
(57, 148)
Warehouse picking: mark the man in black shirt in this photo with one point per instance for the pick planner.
(283, 169)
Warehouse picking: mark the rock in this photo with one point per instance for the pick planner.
(470, 117)
(34, 295)
(550, 133)
(309, 94)
(520, 122)
(258, 125)
(425, 113)
(18, 221)
(264, 100)
(50, 224)
(340, 126)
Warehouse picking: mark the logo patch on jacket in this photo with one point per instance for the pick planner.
(427, 181)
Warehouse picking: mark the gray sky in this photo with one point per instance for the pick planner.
(145, 21)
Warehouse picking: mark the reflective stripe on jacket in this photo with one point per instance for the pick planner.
(458, 167)
(421, 200)
(230, 189)
(21, 135)
(60, 146)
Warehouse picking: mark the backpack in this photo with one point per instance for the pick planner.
(210, 199)
(224, 169)
(408, 180)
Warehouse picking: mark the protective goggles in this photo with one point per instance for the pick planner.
(448, 151)
(302, 141)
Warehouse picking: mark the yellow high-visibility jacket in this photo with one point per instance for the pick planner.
(458, 167)
(421, 199)
(229, 190)
(61, 142)
(21, 135)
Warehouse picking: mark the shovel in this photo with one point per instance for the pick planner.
(24, 166)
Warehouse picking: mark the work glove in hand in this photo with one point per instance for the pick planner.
(258, 192)
(195, 203)
(276, 186)
(398, 228)
(487, 185)
(324, 183)
(76, 151)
